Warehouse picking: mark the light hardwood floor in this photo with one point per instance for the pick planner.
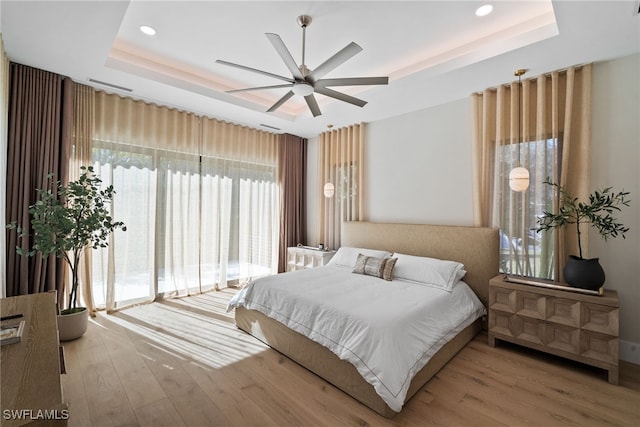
(182, 362)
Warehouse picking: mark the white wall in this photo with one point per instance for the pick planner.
(418, 167)
(615, 162)
(419, 171)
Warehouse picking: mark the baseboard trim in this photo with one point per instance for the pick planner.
(630, 352)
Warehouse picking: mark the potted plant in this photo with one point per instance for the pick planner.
(66, 222)
(598, 212)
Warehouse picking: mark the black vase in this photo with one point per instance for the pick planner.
(584, 273)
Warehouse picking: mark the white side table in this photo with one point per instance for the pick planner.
(301, 257)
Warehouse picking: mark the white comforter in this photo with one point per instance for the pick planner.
(387, 330)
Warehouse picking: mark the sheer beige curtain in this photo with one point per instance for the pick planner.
(551, 137)
(341, 154)
(4, 112)
(240, 202)
(150, 154)
(83, 113)
(138, 123)
(199, 197)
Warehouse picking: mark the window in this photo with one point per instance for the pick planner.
(523, 250)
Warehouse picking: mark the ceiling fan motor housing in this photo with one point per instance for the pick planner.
(304, 20)
(304, 70)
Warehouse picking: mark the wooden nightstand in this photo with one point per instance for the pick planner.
(300, 257)
(564, 323)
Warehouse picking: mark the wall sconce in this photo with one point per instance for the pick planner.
(329, 190)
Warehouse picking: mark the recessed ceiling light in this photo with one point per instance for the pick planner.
(148, 30)
(484, 10)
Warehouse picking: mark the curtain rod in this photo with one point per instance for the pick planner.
(548, 74)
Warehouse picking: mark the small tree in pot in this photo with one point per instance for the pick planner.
(598, 212)
(70, 220)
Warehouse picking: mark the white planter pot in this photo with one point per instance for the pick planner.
(72, 326)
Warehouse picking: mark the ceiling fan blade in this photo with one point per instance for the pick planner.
(341, 96)
(258, 88)
(353, 81)
(280, 101)
(265, 73)
(313, 105)
(342, 56)
(284, 53)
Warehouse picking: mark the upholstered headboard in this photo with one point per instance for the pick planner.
(478, 248)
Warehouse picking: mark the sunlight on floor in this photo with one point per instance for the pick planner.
(198, 329)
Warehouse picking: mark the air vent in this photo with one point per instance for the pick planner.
(270, 127)
(98, 82)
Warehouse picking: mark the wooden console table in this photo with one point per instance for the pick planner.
(30, 369)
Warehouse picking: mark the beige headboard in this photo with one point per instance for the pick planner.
(478, 248)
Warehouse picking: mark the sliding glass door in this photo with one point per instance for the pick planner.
(193, 223)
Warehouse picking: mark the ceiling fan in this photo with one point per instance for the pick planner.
(306, 82)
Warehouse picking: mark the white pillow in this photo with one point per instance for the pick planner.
(428, 271)
(347, 256)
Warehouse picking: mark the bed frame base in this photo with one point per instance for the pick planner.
(340, 373)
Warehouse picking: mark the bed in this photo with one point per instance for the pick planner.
(476, 248)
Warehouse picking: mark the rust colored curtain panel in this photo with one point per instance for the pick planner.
(39, 140)
(292, 181)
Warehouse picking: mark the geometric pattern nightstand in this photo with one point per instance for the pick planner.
(577, 326)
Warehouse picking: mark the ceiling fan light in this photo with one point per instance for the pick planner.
(302, 89)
